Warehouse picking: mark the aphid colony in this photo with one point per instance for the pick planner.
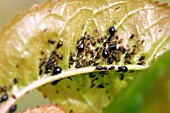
(103, 50)
(49, 65)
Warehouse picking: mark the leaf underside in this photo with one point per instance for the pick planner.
(27, 42)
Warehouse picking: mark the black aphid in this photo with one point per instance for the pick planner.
(128, 55)
(59, 56)
(51, 41)
(4, 97)
(78, 66)
(96, 64)
(57, 70)
(105, 53)
(92, 86)
(48, 68)
(122, 69)
(55, 82)
(100, 86)
(141, 58)
(112, 31)
(111, 67)
(110, 60)
(99, 67)
(60, 43)
(112, 47)
(80, 47)
(121, 76)
(13, 109)
(132, 36)
(15, 80)
(104, 67)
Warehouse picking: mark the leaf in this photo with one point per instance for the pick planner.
(50, 108)
(26, 42)
(148, 93)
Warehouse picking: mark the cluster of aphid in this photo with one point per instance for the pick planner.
(94, 51)
(49, 65)
(4, 98)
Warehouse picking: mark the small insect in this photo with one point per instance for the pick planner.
(132, 36)
(121, 76)
(51, 41)
(112, 47)
(13, 109)
(59, 56)
(15, 80)
(112, 30)
(104, 67)
(57, 70)
(111, 67)
(99, 67)
(80, 47)
(122, 69)
(60, 43)
(110, 60)
(105, 53)
(141, 58)
(4, 97)
(48, 68)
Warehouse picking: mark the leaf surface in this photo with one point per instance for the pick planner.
(26, 43)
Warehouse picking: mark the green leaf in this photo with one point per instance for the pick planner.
(24, 45)
(148, 93)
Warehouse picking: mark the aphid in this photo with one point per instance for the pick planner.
(92, 86)
(120, 41)
(127, 61)
(81, 47)
(97, 57)
(128, 55)
(112, 47)
(57, 70)
(59, 56)
(15, 80)
(78, 66)
(96, 64)
(135, 45)
(124, 50)
(13, 109)
(112, 31)
(51, 41)
(100, 86)
(114, 56)
(105, 53)
(117, 37)
(60, 43)
(132, 36)
(141, 58)
(104, 67)
(99, 67)
(97, 49)
(111, 67)
(4, 97)
(71, 111)
(122, 69)
(90, 62)
(48, 68)
(121, 76)
(91, 75)
(142, 41)
(110, 60)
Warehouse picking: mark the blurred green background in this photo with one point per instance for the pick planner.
(8, 9)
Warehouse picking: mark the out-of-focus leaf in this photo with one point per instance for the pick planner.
(149, 93)
(50, 108)
(27, 42)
